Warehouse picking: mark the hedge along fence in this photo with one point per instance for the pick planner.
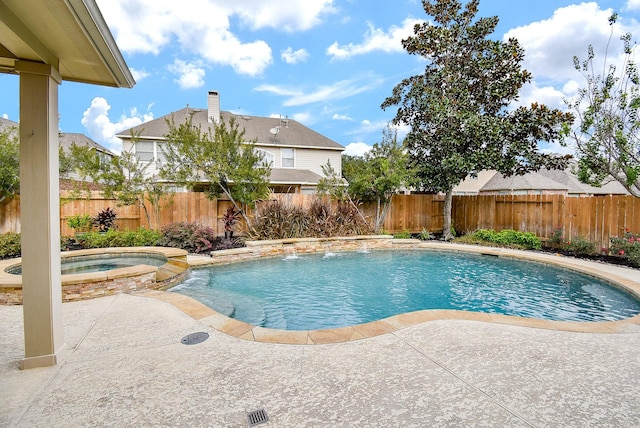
(596, 218)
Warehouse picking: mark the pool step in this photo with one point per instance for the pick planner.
(169, 270)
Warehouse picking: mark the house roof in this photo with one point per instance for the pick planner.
(290, 133)
(6, 123)
(70, 35)
(294, 176)
(67, 138)
(529, 181)
(559, 180)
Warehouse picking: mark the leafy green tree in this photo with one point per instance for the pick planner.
(332, 184)
(379, 174)
(458, 109)
(220, 157)
(126, 179)
(9, 163)
(83, 161)
(607, 133)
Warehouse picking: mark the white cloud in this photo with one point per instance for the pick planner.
(190, 74)
(376, 39)
(551, 44)
(99, 126)
(138, 75)
(302, 117)
(632, 5)
(339, 90)
(337, 116)
(5, 116)
(203, 27)
(356, 149)
(547, 95)
(293, 57)
(287, 15)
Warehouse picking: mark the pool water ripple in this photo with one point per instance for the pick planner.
(317, 292)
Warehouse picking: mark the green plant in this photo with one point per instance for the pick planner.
(506, 237)
(105, 219)
(192, 237)
(80, 223)
(556, 237)
(425, 235)
(405, 234)
(579, 245)
(627, 246)
(112, 238)
(10, 245)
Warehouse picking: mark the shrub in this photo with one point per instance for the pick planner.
(507, 238)
(278, 220)
(192, 237)
(10, 245)
(579, 245)
(556, 237)
(80, 223)
(425, 235)
(105, 219)
(402, 235)
(112, 238)
(230, 218)
(627, 246)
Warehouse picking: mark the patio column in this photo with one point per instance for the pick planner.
(40, 214)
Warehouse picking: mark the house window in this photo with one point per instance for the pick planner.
(144, 151)
(267, 158)
(288, 158)
(160, 153)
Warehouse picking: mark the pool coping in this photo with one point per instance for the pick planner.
(88, 285)
(617, 276)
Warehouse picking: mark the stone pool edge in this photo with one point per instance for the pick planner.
(83, 286)
(617, 276)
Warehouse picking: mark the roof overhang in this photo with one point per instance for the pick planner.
(69, 35)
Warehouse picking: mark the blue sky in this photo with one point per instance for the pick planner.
(327, 63)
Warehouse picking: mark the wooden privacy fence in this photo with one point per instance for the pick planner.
(596, 218)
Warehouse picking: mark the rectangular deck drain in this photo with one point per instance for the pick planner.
(257, 417)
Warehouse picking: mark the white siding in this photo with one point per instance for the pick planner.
(311, 159)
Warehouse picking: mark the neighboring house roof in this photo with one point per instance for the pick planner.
(576, 187)
(6, 123)
(290, 133)
(549, 180)
(67, 138)
(529, 181)
(472, 185)
(294, 176)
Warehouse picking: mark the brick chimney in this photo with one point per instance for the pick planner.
(213, 107)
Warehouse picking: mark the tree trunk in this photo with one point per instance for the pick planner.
(448, 202)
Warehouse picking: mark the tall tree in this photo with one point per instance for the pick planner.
(9, 163)
(126, 179)
(458, 109)
(607, 136)
(220, 157)
(85, 162)
(379, 174)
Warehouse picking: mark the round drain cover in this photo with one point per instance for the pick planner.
(195, 338)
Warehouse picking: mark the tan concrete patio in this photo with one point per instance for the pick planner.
(125, 365)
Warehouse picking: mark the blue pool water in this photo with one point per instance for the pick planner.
(99, 263)
(335, 290)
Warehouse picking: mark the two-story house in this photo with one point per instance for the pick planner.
(296, 153)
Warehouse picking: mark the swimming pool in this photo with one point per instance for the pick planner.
(319, 291)
(100, 263)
